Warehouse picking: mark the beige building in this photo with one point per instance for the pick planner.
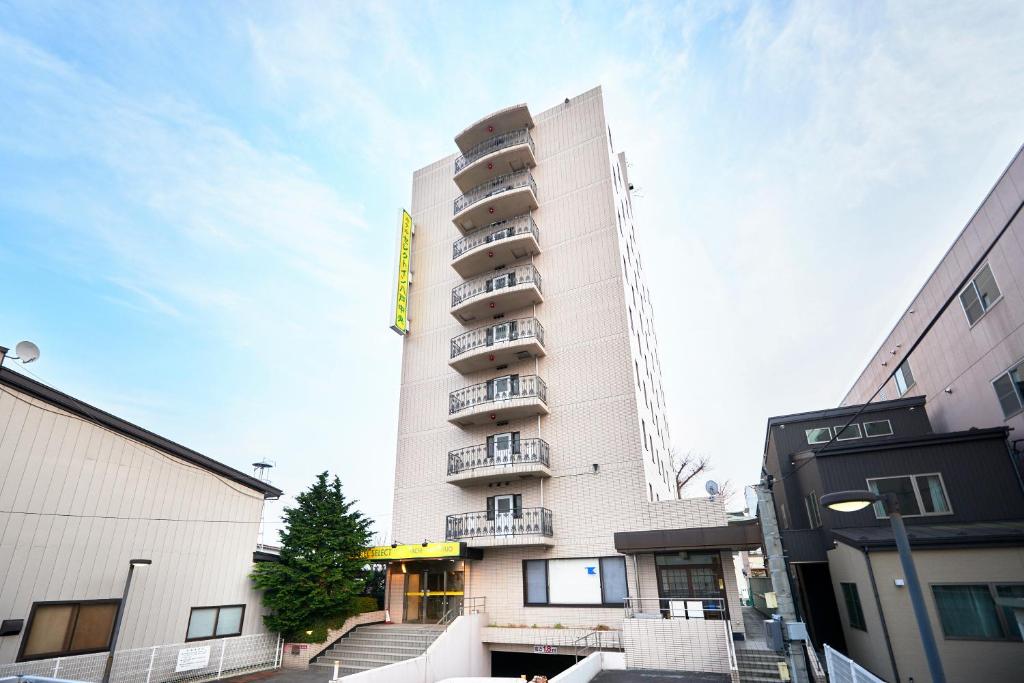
(82, 493)
(532, 416)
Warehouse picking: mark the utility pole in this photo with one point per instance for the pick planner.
(780, 579)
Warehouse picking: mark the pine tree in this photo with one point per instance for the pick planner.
(321, 572)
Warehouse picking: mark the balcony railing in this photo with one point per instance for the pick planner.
(502, 279)
(521, 328)
(520, 386)
(504, 183)
(476, 457)
(519, 522)
(493, 144)
(520, 225)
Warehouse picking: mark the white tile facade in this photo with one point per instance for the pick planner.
(601, 368)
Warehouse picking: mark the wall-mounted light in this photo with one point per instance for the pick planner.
(404, 570)
(425, 543)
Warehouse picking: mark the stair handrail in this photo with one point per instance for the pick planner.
(733, 663)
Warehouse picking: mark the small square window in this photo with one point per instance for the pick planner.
(818, 435)
(980, 294)
(849, 432)
(1009, 388)
(215, 622)
(878, 428)
(904, 378)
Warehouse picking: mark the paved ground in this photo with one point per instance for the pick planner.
(753, 624)
(315, 674)
(658, 677)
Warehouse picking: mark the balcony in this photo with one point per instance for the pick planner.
(504, 120)
(525, 526)
(509, 289)
(504, 343)
(495, 200)
(510, 397)
(498, 154)
(481, 464)
(496, 245)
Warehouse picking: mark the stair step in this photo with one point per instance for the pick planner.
(356, 647)
(370, 654)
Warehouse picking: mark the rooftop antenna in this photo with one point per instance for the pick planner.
(25, 351)
(260, 470)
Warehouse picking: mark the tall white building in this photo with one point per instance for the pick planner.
(532, 416)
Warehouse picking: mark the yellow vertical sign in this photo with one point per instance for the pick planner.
(400, 321)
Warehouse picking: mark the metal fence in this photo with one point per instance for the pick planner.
(505, 183)
(842, 669)
(697, 607)
(205, 660)
(520, 522)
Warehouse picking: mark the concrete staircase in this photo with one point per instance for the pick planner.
(376, 645)
(758, 666)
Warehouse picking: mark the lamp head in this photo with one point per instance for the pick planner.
(140, 563)
(849, 501)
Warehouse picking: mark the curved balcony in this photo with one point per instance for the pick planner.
(496, 245)
(501, 121)
(495, 200)
(501, 153)
(506, 290)
(505, 342)
(524, 526)
(479, 464)
(510, 397)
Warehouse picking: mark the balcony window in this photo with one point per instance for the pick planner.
(904, 378)
(920, 495)
(980, 294)
(1009, 388)
(500, 449)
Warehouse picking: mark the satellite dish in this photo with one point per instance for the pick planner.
(712, 488)
(27, 351)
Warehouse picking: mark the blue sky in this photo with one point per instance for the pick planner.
(198, 201)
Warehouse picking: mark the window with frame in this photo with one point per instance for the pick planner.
(221, 621)
(980, 294)
(813, 511)
(878, 428)
(851, 431)
(818, 435)
(854, 613)
(576, 582)
(904, 378)
(60, 629)
(920, 495)
(1009, 388)
(970, 611)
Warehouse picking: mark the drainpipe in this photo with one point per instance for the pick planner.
(636, 575)
(881, 614)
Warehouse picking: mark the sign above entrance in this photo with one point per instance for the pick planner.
(416, 551)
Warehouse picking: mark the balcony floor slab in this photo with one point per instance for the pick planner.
(484, 475)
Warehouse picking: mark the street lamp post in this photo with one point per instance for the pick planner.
(132, 564)
(851, 501)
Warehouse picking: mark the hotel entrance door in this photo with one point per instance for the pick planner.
(431, 592)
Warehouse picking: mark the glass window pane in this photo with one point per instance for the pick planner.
(819, 435)
(49, 630)
(988, 291)
(904, 378)
(613, 580)
(932, 496)
(1009, 398)
(879, 428)
(1014, 591)
(93, 627)
(200, 624)
(536, 582)
(853, 609)
(904, 490)
(851, 432)
(967, 612)
(229, 623)
(971, 303)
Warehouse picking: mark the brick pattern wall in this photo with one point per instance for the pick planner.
(676, 644)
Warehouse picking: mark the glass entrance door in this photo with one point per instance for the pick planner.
(431, 593)
(692, 584)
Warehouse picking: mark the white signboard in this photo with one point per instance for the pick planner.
(191, 658)
(574, 582)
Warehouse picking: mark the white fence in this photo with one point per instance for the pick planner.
(842, 669)
(205, 660)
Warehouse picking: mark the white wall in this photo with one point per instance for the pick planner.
(78, 500)
(677, 644)
(590, 666)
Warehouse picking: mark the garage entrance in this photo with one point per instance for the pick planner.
(516, 664)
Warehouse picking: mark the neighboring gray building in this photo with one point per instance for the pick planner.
(970, 359)
(82, 492)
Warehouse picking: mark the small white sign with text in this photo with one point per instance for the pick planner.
(191, 658)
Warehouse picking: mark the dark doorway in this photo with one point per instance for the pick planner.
(818, 599)
(516, 664)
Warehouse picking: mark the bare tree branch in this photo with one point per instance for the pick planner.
(688, 466)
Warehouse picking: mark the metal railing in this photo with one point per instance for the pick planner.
(596, 640)
(519, 522)
(520, 328)
(842, 669)
(696, 607)
(520, 136)
(503, 183)
(476, 457)
(521, 386)
(192, 662)
(495, 282)
(502, 230)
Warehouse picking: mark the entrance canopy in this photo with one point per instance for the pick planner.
(741, 536)
(449, 550)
